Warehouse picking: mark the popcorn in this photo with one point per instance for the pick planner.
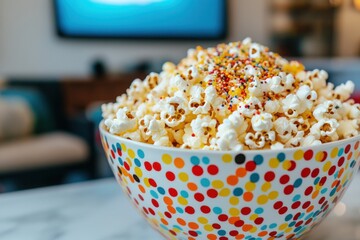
(238, 96)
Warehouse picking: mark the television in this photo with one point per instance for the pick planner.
(153, 19)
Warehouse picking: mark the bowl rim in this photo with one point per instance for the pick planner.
(104, 132)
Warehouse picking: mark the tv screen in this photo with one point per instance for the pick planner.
(177, 19)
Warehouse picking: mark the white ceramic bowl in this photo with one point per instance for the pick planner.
(267, 194)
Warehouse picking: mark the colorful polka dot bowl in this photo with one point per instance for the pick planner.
(276, 194)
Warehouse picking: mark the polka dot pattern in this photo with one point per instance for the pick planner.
(248, 195)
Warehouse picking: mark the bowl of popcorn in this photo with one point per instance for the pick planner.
(234, 142)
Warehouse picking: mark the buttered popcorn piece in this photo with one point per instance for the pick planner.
(235, 96)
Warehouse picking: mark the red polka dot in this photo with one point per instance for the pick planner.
(145, 211)
(305, 172)
(216, 226)
(296, 217)
(168, 215)
(322, 181)
(193, 233)
(233, 233)
(306, 204)
(315, 172)
(223, 238)
(250, 166)
(212, 193)
(308, 155)
(239, 223)
(199, 197)
(126, 166)
(170, 176)
(259, 221)
(151, 211)
(154, 203)
(197, 170)
(173, 192)
(347, 148)
(152, 182)
(269, 176)
(298, 224)
(246, 211)
(288, 189)
(292, 166)
(112, 154)
(147, 166)
(332, 170)
(223, 217)
(172, 232)
(295, 205)
(321, 201)
(308, 191)
(283, 210)
(273, 233)
(190, 210)
(278, 204)
(157, 166)
(205, 209)
(308, 221)
(213, 169)
(119, 152)
(284, 179)
(341, 161)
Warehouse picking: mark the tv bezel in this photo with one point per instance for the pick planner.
(60, 33)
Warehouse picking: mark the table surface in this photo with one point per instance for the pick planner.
(98, 210)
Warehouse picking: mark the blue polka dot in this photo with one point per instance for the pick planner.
(288, 217)
(332, 193)
(324, 190)
(195, 160)
(238, 191)
(179, 210)
(161, 190)
(185, 194)
(309, 216)
(140, 153)
(205, 182)
(292, 224)
(217, 210)
(118, 146)
(178, 227)
(281, 157)
(297, 183)
(259, 210)
(113, 147)
(352, 164)
(297, 229)
(273, 225)
(221, 232)
(120, 161)
(341, 151)
(317, 180)
(205, 160)
(296, 197)
(263, 227)
(137, 162)
(254, 177)
(258, 159)
(154, 194)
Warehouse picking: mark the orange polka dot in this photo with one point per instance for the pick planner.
(241, 172)
(181, 221)
(240, 236)
(168, 201)
(349, 156)
(171, 209)
(247, 227)
(179, 163)
(164, 221)
(193, 225)
(191, 238)
(262, 234)
(232, 180)
(192, 186)
(248, 196)
(211, 236)
(131, 178)
(341, 172)
(309, 209)
(233, 220)
(315, 194)
(141, 188)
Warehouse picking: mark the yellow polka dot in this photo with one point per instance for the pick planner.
(208, 227)
(253, 229)
(176, 230)
(288, 230)
(319, 156)
(227, 158)
(166, 158)
(334, 152)
(273, 195)
(183, 176)
(146, 182)
(202, 220)
(253, 217)
(283, 226)
(123, 147)
(234, 200)
(182, 201)
(262, 199)
(298, 155)
(250, 186)
(326, 166)
(131, 153)
(266, 186)
(128, 160)
(224, 192)
(234, 212)
(217, 184)
(160, 214)
(138, 172)
(286, 164)
(274, 163)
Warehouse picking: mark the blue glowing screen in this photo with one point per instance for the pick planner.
(141, 18)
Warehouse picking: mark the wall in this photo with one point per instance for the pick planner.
(30, 47)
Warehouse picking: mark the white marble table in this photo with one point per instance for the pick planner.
(97, 210)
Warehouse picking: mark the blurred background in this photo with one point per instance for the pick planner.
(60, 59)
